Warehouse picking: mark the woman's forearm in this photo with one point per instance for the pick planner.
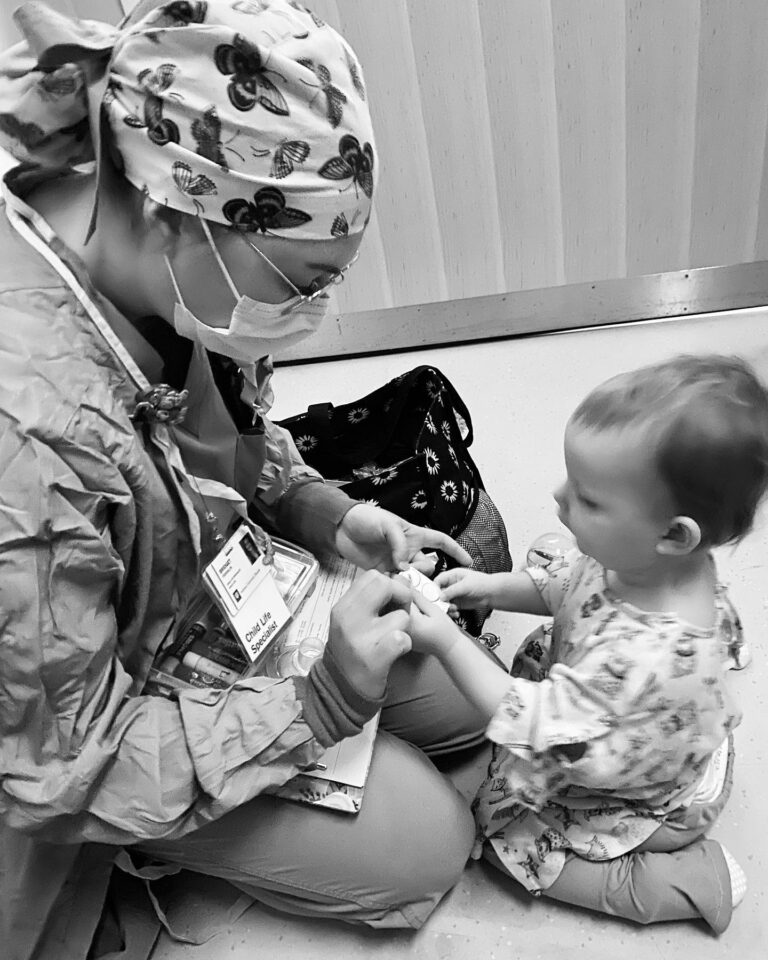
(310, 513)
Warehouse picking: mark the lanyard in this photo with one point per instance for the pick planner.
(38, 234)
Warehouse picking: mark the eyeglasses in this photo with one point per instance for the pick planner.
(318, 287)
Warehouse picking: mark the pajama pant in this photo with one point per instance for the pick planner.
(676, 874)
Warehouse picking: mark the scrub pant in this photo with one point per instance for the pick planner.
(676, 874)
(387, 866)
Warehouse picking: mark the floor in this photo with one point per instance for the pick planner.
(520, 394)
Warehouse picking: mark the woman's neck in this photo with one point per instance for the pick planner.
(111, 255)
(65, 204)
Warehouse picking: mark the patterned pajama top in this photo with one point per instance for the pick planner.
(608, 729)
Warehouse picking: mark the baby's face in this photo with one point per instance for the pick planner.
(613, 500)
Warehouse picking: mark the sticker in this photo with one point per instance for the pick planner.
(426, 587)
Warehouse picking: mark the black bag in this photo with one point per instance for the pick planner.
(405, 447)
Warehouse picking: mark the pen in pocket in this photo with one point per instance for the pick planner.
(205, 665)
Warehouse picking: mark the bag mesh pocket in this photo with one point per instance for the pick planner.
(485, 538)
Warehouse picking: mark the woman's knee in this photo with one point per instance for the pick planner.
(425, 708)
(391, 864)
(420, 827)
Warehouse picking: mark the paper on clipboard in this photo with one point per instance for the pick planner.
(340, 785)
(313, 618)
(348, 761)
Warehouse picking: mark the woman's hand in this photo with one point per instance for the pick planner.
(377, 539)
(368, 631)
(468, 589)
(431, 630)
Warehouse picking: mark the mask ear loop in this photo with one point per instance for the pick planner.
(222, 267)
(277, 269)
(176, 288)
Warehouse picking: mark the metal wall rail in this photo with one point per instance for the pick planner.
(534, 312)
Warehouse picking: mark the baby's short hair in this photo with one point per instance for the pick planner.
(707, 417)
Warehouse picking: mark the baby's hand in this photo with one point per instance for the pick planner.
(468, 589)
(431, 630)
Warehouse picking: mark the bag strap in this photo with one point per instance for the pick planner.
(403, 391)
(457, 403)
(319, 416)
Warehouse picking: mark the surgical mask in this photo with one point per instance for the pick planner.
(255, 329)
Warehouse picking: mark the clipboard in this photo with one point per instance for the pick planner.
(340, 786)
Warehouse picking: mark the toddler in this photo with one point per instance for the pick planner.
(611, 737)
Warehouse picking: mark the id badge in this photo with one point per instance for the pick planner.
(242, 584)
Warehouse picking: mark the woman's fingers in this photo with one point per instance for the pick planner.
(394, 620)
(420, 601)
(393, 632)
(437, 540)
(369, 630)
(424, 563)
(394, 535)
(377, 591)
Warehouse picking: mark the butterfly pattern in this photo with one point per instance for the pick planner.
(334, 98)
(206, 132)
(621, 719)
(340, 226)
(353, 162)
(302, 9)
(253, 7)
(267, 212)
(191, 184)
(143, 92)
(250, 85)
(287, 156)
(159, 80)
(160, 130)
(354, 75)
(181, 13)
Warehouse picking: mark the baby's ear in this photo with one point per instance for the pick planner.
(681, 537)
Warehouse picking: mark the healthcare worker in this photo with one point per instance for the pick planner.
(190, 184)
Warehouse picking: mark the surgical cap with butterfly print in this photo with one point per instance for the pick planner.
(249, 113)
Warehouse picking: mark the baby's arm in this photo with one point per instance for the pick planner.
(499, 591)
(479, 678)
